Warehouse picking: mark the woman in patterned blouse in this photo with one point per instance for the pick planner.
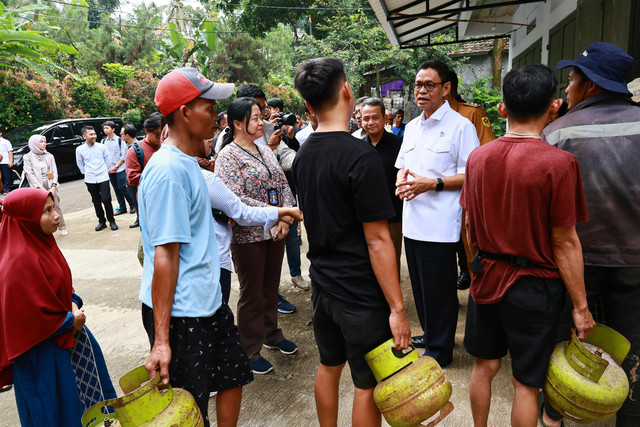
(254, 174)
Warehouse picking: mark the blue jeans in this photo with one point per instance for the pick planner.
(292, 244)
(119, 184)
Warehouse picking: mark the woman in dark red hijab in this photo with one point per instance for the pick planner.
(52, 359)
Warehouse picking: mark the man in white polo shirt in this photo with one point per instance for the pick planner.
(431, 167)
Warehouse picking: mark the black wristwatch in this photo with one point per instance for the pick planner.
(440, 184)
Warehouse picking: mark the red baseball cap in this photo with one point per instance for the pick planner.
(183, 85)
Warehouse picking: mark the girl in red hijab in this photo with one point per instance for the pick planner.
(52, 359)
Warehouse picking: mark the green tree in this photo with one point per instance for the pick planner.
(22, 47)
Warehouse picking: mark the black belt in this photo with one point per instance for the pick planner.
(517, 261)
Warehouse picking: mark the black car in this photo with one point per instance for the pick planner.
(63, 137)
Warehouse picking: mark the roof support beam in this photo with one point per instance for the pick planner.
(475, 39)
(441, 11)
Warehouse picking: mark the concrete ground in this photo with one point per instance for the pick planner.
(106, 274)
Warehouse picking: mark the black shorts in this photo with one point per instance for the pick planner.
(207, 354)
(345, 332)
(524, 323)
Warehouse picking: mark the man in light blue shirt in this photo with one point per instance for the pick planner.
(117, 149)
(194, 341)
(93, 161)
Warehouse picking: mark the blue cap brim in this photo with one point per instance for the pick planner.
(604, 83)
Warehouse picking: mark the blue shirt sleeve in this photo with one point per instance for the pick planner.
(167, 207)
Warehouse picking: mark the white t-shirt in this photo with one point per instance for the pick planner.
(5, 147)
(435, 148)
(304, 133)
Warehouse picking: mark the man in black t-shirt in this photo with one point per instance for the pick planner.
(356, 298)
(388, 146)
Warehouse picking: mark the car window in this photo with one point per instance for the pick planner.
(63, 131)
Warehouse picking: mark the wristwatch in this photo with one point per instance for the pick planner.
(440, 184)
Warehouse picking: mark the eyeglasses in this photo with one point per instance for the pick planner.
(429, 86)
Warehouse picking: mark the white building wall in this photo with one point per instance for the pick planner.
(546, 16)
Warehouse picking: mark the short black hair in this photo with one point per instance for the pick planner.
(222, 116)
(85, 129)
(398, 111)
(109, 123)
(372, 102)
(441, 68)
(276, 102)
(319, 80)
(528, 91)
(154, 121)
(250, 91)
(360, 100)
(130, 130)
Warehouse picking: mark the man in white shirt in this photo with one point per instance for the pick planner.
(117, 149)
(6, 163)
(431, 167)
(93, 161)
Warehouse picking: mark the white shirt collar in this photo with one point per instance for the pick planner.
(438, 114)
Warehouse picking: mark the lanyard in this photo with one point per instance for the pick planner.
(261, 159)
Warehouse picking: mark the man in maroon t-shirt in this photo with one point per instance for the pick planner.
(150, 144)
(523, 198)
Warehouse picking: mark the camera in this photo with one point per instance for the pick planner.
(288, 119)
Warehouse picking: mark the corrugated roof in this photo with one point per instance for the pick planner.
(410, 22)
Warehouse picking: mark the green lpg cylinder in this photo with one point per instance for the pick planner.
(146, 403)
(584, 381)
(410, 389)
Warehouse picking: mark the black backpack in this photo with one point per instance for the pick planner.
(139, 153)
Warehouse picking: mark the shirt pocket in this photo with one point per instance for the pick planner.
(440, 147)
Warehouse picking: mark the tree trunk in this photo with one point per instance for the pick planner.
(378, 94)
(498, 48)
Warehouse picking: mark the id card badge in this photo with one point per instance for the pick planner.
(272, 195)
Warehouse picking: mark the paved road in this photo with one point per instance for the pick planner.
(106, 275)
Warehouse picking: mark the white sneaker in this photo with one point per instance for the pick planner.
(300, 283)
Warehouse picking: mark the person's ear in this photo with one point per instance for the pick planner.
(446, 89)
(555, 106)
(502, 109)
(347, 92)
(308, 108)
(184, 112)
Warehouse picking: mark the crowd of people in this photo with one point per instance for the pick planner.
(540, 223)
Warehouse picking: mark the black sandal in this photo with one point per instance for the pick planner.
(6, 388)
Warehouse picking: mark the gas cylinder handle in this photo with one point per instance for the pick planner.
(583, 361)
(400, 354)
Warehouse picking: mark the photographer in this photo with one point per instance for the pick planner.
(284, 121)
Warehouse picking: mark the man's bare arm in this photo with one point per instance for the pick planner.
(567, 252)
(383, 260)
(163, 288)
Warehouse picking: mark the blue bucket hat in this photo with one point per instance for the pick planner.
(605, 64)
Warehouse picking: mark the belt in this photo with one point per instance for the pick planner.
(517, 261)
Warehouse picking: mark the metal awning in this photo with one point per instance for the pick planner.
(412, 23)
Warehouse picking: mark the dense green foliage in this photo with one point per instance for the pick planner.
(481, 93)
(76, 58)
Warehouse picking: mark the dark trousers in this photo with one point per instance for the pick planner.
(133, 191)
(613, 294)
(119, 184)
(101, 195)
(292, 245)
(462, 257)
(433, 274)
(225, 284)
(258, 265)
(6, 177)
